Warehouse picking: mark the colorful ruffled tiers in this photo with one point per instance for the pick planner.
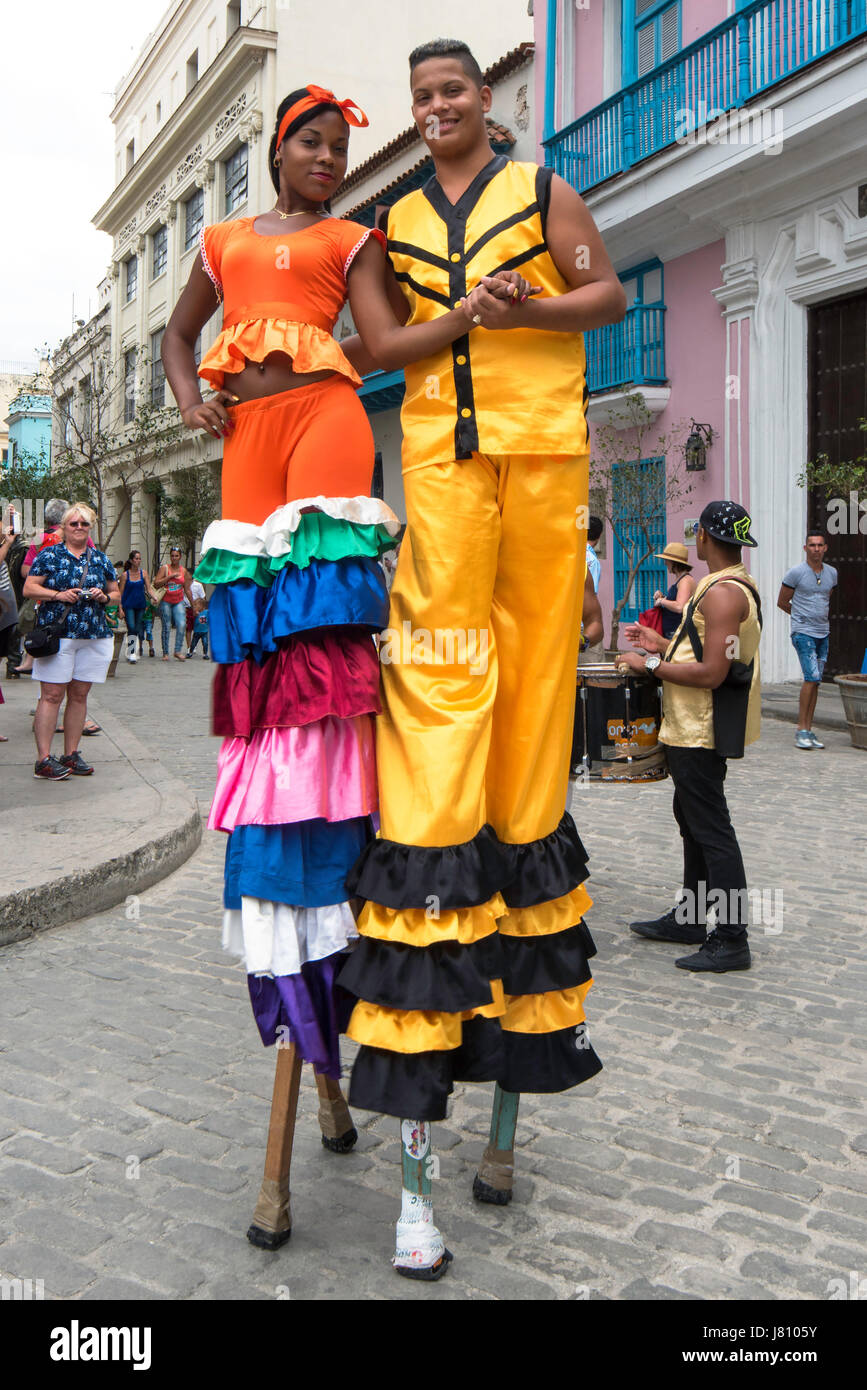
(472, 965)
(292, 618)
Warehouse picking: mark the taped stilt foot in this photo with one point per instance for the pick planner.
(342, 1144)
(267, 1240)
(493, 1182)
(428, 1275)
(272, 1219)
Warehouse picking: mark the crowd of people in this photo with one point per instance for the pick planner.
(60, 604)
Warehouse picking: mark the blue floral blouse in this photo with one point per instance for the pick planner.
(59, 569)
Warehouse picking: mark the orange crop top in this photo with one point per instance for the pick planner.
(280, 293)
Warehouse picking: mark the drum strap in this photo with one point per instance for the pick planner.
(731, 698)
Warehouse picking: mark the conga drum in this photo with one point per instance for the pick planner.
(621, 716)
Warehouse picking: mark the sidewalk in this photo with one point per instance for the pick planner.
(72, 848)
(781, 702)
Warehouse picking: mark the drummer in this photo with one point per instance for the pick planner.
(672, 603)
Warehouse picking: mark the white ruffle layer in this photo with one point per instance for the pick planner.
(274, 536)
(273, 939)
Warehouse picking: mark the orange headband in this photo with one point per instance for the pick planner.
(316, 96)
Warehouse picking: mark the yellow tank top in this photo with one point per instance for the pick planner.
(519, 391)
(687, 711)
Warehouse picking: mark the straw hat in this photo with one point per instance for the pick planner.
(675, 553)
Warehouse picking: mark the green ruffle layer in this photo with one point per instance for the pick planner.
(319, 537)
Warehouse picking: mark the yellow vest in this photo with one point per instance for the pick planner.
(518, 391)
(688, 710)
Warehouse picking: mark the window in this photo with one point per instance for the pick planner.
(235, 170)
(233, 17)
(192, 70)
(160, 242)
(131, 273)
(159, 112)
(657, 33)
(194, 218)
(64, 410)
(9, 454)
(158, 376)
(638, 495)
(130, 359)
(130, 155)
(86, 390)
(643, 285)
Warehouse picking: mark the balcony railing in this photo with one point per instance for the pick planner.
(751, 51)
(630, 352)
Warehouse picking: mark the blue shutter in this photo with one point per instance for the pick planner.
(652, 573)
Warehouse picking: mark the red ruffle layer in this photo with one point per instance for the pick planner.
(311, 676)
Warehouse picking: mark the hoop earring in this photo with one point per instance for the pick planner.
(276, 161)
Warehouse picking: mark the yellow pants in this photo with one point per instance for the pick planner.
(472, 933)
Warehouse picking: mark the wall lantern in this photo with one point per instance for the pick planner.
(697, 445)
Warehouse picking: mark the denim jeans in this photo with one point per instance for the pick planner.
(196, 638)
(812, 654)
(173, 615)
(134, 622)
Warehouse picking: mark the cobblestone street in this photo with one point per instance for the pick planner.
(719, 1154)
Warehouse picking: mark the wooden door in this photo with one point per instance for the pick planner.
(837, 395)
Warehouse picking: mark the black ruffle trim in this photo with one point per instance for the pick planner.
(466, 875)
(406, 876)
(546, 1063)
(446, 976)
(537, 964)
(417, 1085)
(546, 868)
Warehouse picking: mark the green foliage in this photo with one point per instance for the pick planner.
(190, 507)
(836, 479)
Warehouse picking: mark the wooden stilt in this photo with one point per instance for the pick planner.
(420, 1252)
(338, 1132)
(272, 1219)
(493, 1182)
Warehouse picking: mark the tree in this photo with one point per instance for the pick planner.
(844, 488)
(112, 425)
(633, 494)
(189, 508)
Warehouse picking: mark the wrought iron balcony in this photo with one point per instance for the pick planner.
(750, 52)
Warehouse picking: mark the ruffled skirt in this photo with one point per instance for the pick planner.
(292, 618)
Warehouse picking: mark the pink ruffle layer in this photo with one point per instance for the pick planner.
(325, 770)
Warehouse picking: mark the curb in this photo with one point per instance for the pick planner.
(159, 851)
(836, 724)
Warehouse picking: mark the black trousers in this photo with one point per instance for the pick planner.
(712, 861)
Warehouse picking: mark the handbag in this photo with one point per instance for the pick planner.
(730, 700)
(44, 640)
(651, 617)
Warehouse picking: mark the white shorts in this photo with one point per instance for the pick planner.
(79, 658)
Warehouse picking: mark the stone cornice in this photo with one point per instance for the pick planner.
(241, 58)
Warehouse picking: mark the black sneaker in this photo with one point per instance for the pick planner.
(719, 954)
(667, 928)
(76, 764)
(51, 769)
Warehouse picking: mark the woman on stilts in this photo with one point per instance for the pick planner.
(298, 595)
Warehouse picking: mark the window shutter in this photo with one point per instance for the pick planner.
(646, 50)
(669, 33)
(642, 6)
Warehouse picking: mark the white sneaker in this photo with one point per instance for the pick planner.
(131, 654)
(815, 742)
(803, 739)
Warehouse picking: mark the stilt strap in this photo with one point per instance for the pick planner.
(273, 1212)
(497, 1168)
(334, 1117)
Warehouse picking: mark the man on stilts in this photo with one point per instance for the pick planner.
(473, 958)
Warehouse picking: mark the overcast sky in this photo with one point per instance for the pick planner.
(61, 64)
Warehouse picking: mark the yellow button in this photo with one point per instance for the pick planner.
(456, 255)
(466, 412)
(461, 361)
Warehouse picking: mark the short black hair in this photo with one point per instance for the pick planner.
(814, 531)
(448, 48)
(595, 527)
(304, 119)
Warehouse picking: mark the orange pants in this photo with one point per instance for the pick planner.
(302, 443)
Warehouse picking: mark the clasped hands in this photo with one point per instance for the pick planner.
(498, 300)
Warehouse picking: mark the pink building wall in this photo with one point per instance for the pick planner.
(695, 347)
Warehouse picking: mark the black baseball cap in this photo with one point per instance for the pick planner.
(728, 522)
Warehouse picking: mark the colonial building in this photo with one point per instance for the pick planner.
(22, 421)
(395, 170)
(193, 119)
(720, 147)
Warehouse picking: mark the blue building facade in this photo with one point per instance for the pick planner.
(29, 422)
